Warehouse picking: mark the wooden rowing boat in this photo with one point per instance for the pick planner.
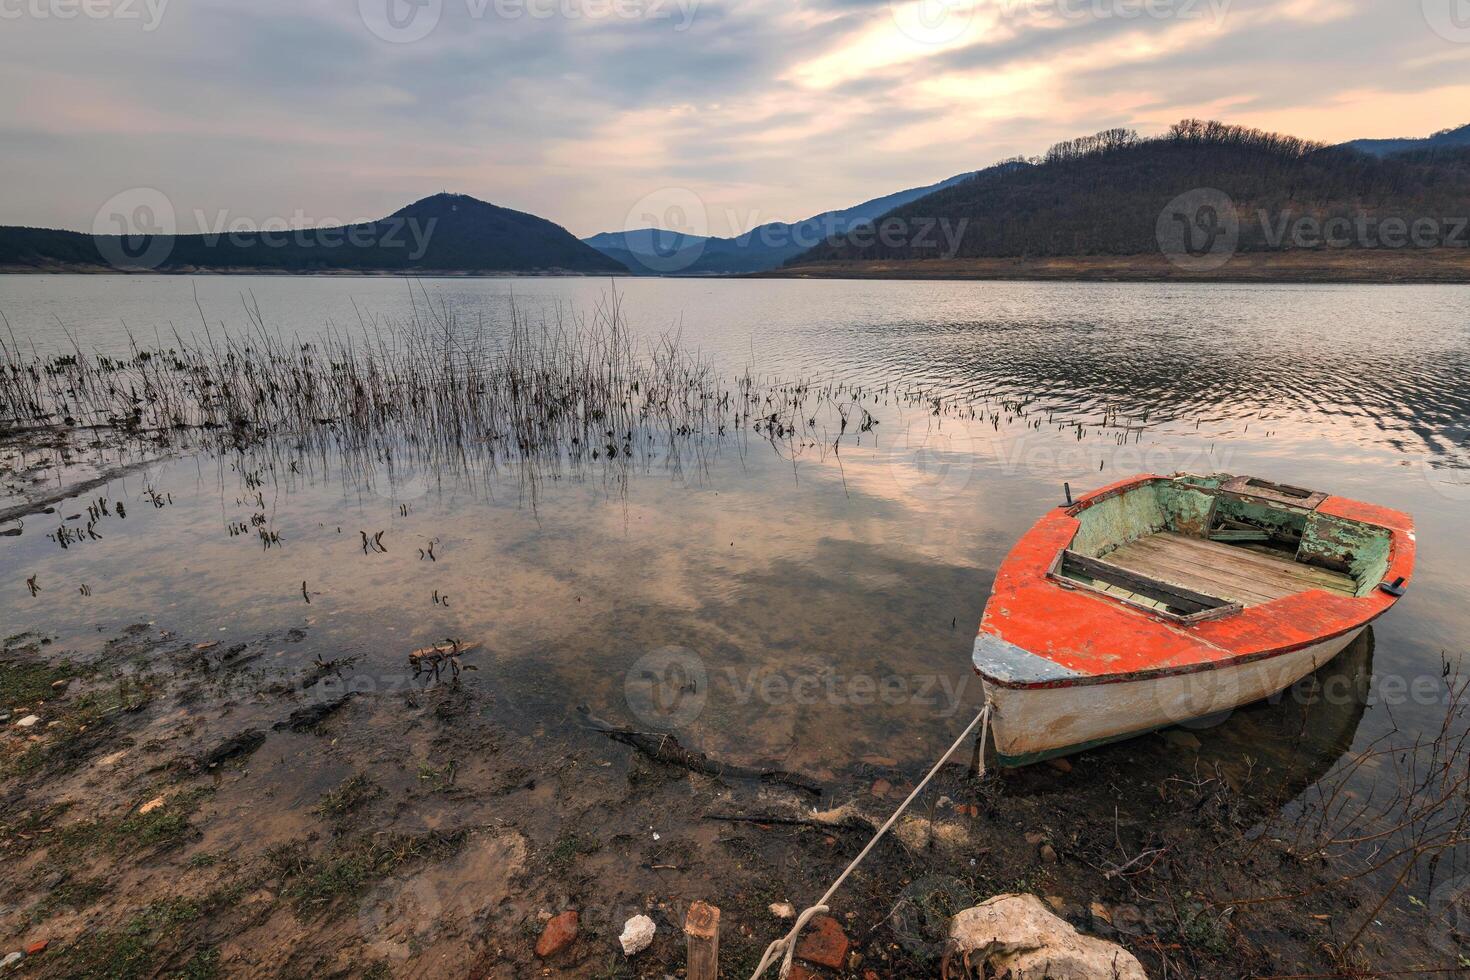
(1162, 600)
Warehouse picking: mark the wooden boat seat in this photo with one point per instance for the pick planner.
(1243, 573)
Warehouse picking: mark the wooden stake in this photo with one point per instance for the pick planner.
(702, 936)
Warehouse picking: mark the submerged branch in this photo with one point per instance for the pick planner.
(667, 750)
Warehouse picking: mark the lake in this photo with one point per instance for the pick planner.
(776, 602)
(804, 567)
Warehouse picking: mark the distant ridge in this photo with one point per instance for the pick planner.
(445, 233)
(1444, 139)
(650, 251)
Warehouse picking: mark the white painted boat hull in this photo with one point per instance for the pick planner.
(1035, 723)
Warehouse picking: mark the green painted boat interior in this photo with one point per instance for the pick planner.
(1202, 536)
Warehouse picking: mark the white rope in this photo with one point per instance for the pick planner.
(787, 944)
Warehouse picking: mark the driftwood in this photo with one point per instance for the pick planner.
(308, 718)
(702, 942)
(239, 655)
(233, 747)
(666, 749)
(841, 821)
(441, 655)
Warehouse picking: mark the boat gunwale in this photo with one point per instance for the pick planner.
(1090, 680)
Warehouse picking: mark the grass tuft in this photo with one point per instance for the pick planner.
(350, 866)
(348, 798)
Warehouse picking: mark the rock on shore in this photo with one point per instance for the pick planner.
(1017, 936)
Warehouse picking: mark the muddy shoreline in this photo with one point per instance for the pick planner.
(1380, 266)
(250, 808)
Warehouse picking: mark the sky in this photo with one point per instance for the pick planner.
(605, 115)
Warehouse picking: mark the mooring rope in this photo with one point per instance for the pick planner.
(787, 944)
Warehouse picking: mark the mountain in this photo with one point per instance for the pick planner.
(651, 251)
(449, 233)
(1445, 138)
(1112, 194)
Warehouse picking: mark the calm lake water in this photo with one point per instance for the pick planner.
(821, 605)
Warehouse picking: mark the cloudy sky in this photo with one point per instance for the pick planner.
(597, 113)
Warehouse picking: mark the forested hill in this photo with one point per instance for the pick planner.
(1443, 139)
(444, 233)
(1108, 195)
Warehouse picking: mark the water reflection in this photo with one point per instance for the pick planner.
(822, 613)
(1294, 738)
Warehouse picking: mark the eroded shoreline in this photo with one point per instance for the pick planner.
(255, 807)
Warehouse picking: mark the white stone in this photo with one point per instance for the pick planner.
(27, 721)
(637, 935)
(783, 910)
(1017, 936)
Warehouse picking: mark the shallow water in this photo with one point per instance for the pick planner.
(798, 611)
